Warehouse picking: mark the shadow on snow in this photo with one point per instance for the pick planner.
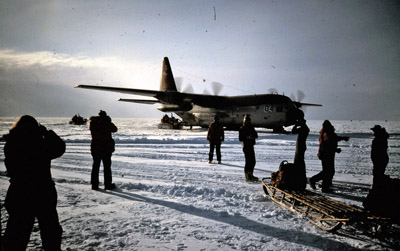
(242, 222)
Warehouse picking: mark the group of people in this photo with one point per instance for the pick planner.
(247, 135)
(328, 142)
(328, 147)
(28, 151)
(30, 147)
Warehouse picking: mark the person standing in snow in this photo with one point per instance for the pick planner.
(328, 142)
(28, 151)
(248, 135)
(379, 155)
(215, 137)
(302, 131)
(102, 146)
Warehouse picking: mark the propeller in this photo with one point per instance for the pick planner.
(216, 87)
(300, 95)
(187, 88)
(272, 90)
(178, 83)
(206, 92)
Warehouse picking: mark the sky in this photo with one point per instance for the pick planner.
(344, 55)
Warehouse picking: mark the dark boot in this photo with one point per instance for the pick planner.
(312, 184)
(254, 178)
(110, 186)
(250, 178)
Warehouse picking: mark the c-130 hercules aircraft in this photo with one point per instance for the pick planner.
(272, 111)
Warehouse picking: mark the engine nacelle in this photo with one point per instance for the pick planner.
(293, 115)
(175, 108)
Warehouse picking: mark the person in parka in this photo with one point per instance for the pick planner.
(328, 147)
(302, 131)
(215, 137)
(28, 151)
(379, 155)
(102, 146)
(248, 135)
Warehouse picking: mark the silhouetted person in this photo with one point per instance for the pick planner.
(215, 137)
(28, 151)
(379, 155)
(302, 131)
(328, 142)
(248, 135)
(102, 147)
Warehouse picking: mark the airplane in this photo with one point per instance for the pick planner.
(271, 111)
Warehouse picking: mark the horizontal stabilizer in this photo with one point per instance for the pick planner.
(140, 101)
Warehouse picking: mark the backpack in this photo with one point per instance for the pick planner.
(287, 178)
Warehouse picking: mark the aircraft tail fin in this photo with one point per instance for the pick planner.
(167, 78)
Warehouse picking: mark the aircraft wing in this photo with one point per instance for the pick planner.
(140, 101)
(204, 100)
(299, 104)
(165, 97)
(148, 93)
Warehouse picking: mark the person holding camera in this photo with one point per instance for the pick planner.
(102, 146)
(28, 151)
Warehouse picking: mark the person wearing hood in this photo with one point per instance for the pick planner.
(102, 146)
(215, 137)
(302, 131)
(28, 152)
(328, 147)
(379, 155)
(248, 135)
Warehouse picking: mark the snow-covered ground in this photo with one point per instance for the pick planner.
(170, 198)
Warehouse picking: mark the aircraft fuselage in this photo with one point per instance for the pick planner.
(264, 115)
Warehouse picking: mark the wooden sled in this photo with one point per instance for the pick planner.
(324, 212)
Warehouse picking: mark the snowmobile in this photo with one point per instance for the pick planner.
(78, 120)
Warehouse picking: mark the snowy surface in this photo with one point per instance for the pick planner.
(170, 198)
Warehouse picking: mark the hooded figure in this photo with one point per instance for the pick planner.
(302, 131)
(382, 197)
(248, 135)
(28, 151)
(328, 147)
(102, 146)
(215, 137)
(379, 155)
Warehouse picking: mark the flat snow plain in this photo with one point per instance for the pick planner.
(170, 198)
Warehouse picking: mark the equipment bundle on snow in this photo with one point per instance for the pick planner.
(287, 177)
(382, 198)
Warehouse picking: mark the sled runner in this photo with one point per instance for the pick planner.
(324, 212)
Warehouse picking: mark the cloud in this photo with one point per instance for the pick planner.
(41, 84)
(68, 69)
